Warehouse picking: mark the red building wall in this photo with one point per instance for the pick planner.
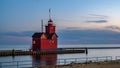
(50, 28)
(47, 40)
(35, 44)
(47, 44)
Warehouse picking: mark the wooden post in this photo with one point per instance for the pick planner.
(86, 51)
(0, 64)
(64, 61)
(17, 64)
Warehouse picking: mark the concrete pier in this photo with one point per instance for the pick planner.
(58, 51)
(20, 52)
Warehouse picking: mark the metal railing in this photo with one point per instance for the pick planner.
(84, 60)
(31, 63)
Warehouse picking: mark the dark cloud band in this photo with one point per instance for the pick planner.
(97, 21)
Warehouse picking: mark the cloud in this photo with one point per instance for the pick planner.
(13, 38)
(113, 27)
(67, 36)
(98, 16)
(97, 21)
(18, 34)
(94, 18)
(88, 37)
(73, 28)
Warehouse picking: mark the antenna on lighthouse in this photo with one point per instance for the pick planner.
(50, 20)
(49, 13)
(42, 25)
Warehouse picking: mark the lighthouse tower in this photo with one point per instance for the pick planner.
(45, 40)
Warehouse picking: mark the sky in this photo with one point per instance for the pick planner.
(77, 21)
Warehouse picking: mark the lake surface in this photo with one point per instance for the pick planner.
(45, 58)
(27, 47)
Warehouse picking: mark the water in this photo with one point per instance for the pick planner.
(38, 59)
(27, 47)
(92, 52)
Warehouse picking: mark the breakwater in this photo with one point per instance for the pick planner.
(58, 51)
(20, 52)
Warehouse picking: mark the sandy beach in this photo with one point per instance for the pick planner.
(111, 64)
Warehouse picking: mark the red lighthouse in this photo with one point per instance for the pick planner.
(45, 40)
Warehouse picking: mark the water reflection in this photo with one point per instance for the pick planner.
(42, 60)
